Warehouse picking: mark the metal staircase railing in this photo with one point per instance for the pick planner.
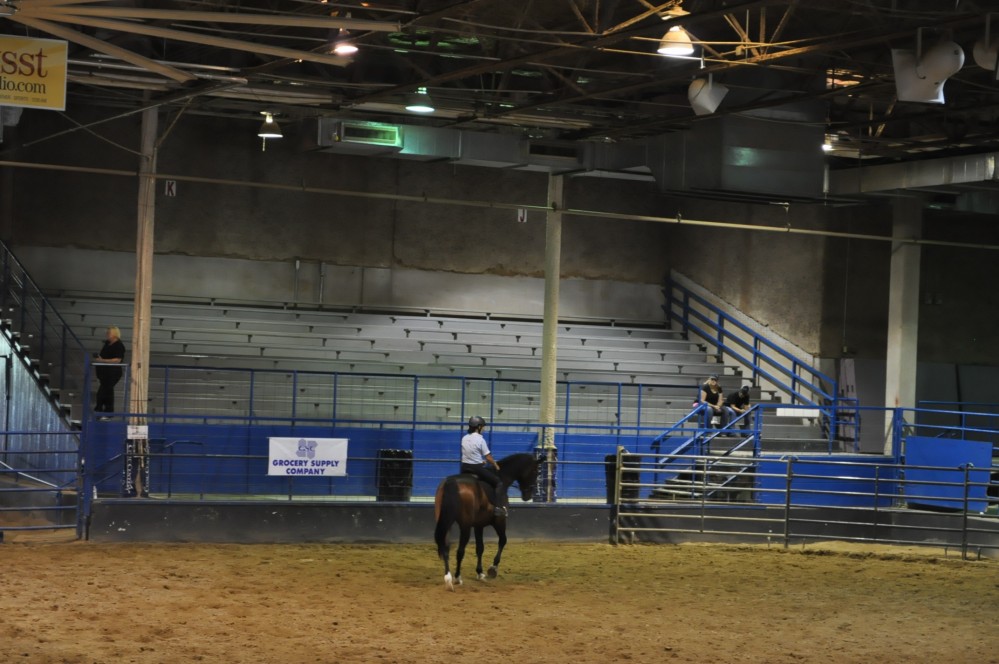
(43, 339)
(705, 452)
(793, 377)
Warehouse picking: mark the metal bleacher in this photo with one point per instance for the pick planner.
(282, 340)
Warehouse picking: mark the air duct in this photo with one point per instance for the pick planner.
(738, 157)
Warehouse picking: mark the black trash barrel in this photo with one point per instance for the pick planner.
(395, 475)
(627, 476)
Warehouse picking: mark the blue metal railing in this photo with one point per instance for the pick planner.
(698, 438)
(802, 383)
(385, 397)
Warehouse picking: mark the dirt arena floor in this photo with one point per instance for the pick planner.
(86, 603)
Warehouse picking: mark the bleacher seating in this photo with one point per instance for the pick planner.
(291, 339)
(446, 352)
(437, 348)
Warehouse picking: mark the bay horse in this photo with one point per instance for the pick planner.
(468, 501)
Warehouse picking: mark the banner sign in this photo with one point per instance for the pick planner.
(33, 73)
(317, 457)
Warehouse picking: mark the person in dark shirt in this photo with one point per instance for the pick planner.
(108, 375)
(737, 403)
(711, 395)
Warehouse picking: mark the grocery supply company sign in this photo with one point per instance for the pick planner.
(33, 73)
(317, 457)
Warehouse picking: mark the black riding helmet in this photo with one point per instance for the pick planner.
(475, 423)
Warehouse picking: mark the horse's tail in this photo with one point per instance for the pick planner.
(447, 513)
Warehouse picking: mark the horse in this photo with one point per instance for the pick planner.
(469, 501)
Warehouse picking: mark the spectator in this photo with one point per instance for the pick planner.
(711, 396)
(112, 353)
(737, 404)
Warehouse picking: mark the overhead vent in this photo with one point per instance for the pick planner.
(358, 137)
(367, 133)
(741, 158)
(553, 150)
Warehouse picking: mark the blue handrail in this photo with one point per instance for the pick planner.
(803, 383)
(723, 341)
(283, 387)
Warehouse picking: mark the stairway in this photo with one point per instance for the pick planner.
(62, 402)
(724, 479)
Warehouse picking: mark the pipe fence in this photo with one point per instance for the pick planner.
(793, 500)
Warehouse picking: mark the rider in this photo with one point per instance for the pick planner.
(476, 459)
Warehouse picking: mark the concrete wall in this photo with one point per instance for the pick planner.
(239, 236)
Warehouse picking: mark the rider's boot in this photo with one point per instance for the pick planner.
(499, 508)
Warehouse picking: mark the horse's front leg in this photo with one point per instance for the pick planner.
(480, 546)
(462, 543)
(501, 533)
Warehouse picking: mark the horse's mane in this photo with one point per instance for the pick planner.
(517, 463)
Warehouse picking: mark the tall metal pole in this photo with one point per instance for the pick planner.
(139, 373)
(549, 333)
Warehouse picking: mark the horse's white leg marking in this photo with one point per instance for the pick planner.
(448, 581)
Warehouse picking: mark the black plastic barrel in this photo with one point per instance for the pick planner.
(627, 476)
(395, 475)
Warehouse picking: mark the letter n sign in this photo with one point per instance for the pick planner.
(170, 188)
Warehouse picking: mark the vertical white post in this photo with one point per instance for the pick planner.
(139, 373)
(903, 310)
(549, 333)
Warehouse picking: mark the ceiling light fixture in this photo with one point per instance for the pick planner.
(269, 129)
(676, 41)
(343, 46)
(419, 102)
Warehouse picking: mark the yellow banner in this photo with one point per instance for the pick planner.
(33, 73)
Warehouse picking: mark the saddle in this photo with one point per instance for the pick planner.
(472, 478)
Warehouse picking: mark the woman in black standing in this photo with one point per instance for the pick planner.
(112, 353)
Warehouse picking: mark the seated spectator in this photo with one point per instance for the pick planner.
(711, 396)
(737, 404)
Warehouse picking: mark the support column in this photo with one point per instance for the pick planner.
(138, 374)
(903, 309)
(549, 333)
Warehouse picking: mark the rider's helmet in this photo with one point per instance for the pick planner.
(475, 423)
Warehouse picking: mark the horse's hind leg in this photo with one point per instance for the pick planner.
(501, 533)
(462, 543)
(444, 551)
(479, 548)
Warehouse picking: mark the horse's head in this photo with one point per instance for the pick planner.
(522, 469)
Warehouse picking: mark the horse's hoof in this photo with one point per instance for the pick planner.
(481, 577)
(449, 582)
(492, 571)
(458, 579)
